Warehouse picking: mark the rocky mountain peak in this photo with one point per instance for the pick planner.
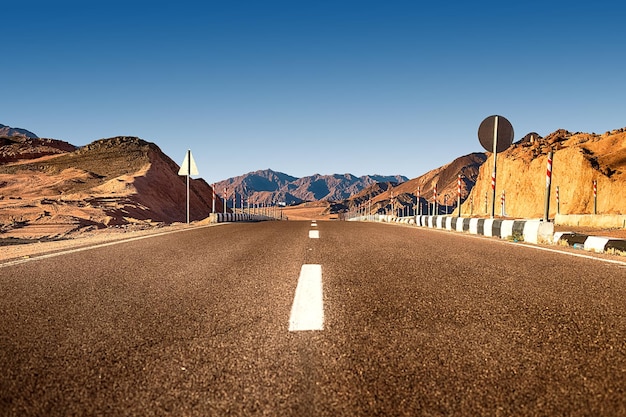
(270, 186)
(16, 131)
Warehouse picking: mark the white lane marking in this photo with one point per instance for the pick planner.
(307, 311)
(314, 234)
(314, 224)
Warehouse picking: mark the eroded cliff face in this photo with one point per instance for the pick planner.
(403, 197)
(579, 159)
(110, 182)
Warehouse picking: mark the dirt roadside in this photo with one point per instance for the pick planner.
(35, 247)
(593, 231)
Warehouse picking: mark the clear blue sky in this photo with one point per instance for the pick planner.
(305, 87)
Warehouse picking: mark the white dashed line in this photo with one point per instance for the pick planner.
(307, 311)
(314, 234)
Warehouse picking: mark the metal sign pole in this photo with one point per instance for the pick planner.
(495, 140)
(188, 168)
(188, 174)
(493, 175)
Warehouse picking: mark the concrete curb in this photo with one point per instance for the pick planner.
(532, 230)
(599, 244)
(237, 217)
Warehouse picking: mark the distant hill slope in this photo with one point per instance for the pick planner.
(267, 186)
(111, 181)
(16, 131)
(19, 148)
(403, 197)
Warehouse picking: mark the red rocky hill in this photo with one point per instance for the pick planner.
(48, 185)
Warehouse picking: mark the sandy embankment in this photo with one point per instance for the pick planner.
(17, 251)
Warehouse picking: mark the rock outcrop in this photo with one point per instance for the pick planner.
(115, 181)
(579, 159)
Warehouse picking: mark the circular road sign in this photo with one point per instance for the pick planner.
(486, 133)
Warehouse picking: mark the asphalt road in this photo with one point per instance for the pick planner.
(416, 322)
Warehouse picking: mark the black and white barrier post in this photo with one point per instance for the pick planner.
(558, 201)
(419, 202)
(213, 198)
(595, 197)
(458, 192)
(546, 212)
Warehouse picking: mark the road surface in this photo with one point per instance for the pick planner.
(414, 322)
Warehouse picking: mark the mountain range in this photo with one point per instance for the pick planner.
(268, 186)
(126, 180)
(413, 196)
(16, 131)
